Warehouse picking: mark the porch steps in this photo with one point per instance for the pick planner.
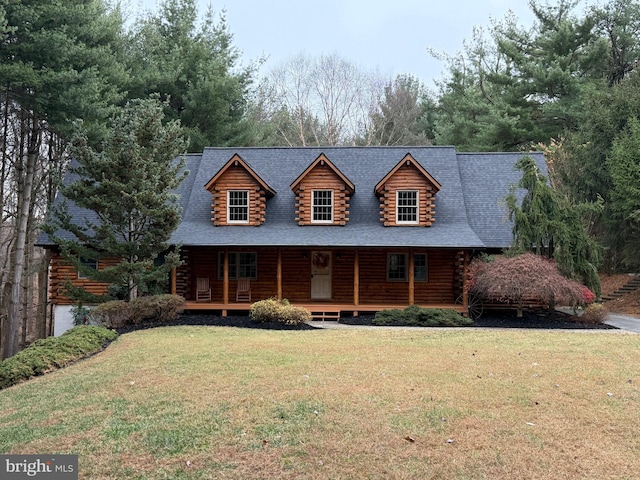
(631, 286)
(325, 315)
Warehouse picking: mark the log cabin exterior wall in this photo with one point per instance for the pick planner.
(408, 177)
(61, 272)
(322, 177)
(236, 177)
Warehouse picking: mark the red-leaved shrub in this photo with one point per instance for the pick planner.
(527, 276)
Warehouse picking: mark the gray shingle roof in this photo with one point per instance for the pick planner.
(469, 212)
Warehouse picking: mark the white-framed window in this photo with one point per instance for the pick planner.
(322, 206)
(396, 267)
(241, 265)
(420, 267)
(407, 206)
(238, 206)
(87, 263)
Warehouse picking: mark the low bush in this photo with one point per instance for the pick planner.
(278, 310)
(415, 315)
(594, 314)
(114, 314)
(118, 313)
(50, 353)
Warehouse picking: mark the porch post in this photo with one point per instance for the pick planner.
(225, 278)
(356, 279)
(411, 282)
(173, 281)
(279, 275)
(465, 292)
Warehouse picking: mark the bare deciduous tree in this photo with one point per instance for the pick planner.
(319, 101)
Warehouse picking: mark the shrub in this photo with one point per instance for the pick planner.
(292, 315)
(81, 315)
(118, 313)
(278, 310)
(51, 353)
(415, 315)
(114, 314)
(594, 314)
(512, 279)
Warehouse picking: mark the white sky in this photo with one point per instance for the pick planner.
(389, 36)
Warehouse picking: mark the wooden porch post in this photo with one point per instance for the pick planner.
(356, 280)
(225, 281)
(412, 290)
(465, 293)
(279, 275)
(174, 281)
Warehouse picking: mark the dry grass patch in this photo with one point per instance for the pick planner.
(206, 402)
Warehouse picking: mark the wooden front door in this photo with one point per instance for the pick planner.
(321, 275)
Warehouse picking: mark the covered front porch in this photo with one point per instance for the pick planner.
(328, 282)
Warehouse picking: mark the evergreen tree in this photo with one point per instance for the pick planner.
(58, 62)
(194, 69)
(126, 191)
(399, 117)
(624, 167)
(546, 224)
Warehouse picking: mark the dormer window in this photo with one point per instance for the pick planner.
(322, 206)
(407, 206)
(407, 195)
(238, 195)
(322, 194)
(238, 206)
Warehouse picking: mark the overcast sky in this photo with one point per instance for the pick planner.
(390, 36)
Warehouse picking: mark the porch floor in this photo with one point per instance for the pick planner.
(322, 311)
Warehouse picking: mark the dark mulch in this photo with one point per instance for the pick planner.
(537, 319)
(491, 319)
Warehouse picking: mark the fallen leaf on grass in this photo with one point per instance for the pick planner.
(409, 439)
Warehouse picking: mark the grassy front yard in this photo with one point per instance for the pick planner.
(225, 403)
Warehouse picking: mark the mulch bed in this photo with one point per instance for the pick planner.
(492, 319)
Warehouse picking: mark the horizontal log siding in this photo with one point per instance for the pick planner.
(322, 178)
(296, 274)
(408, 178)
(441, 278)
(61, 271)
(342, 281)
(237, 178)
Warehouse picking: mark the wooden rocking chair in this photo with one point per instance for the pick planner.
(243, 293)
(203, 290)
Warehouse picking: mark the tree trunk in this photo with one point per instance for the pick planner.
(11, 340)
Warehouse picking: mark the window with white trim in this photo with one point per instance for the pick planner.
(420, 268)
(322, 206)
(396, 267)
(407, 206)
(241, 265)
(238, 206)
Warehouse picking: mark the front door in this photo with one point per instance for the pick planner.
(321, 275)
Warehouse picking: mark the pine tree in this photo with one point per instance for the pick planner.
(125, 189)
(545, 223)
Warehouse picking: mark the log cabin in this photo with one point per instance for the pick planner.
(338, 230)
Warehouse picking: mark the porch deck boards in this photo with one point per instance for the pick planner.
(322, 311)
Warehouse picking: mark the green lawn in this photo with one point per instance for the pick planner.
(207, 402)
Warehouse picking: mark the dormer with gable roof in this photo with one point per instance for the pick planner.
(407, 195)
(322, 194)
(239, 195)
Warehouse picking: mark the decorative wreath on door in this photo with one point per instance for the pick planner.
(321, 261)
